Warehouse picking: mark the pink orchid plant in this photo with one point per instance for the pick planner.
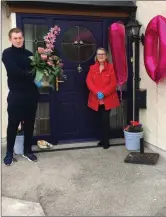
(46, 65)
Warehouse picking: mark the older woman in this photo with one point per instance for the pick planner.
(101, 82)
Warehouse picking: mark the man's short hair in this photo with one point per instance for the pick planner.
(15, 30)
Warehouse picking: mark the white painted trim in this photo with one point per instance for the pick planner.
(3, 142)
(13, 20)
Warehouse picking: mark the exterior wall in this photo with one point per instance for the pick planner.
(154, 118)
(7, 24)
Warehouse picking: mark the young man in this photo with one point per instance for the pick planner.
(23, 94)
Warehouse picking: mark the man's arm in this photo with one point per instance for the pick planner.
(11, 66)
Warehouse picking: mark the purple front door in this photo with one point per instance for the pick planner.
(76, 45)
(64, 115)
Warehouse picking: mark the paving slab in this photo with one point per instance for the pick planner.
(88, 182)
(16, 207)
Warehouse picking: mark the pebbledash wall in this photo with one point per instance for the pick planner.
(154, 117)
(7, 24)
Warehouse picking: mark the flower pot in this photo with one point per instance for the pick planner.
(45, 81)
(132, 140)
(19, 145)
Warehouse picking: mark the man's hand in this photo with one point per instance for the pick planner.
(38, 83)
(100, 95)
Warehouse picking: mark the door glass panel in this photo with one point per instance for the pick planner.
(29, 36)
(41, 31)
(78, 44)
(86, 36)
(118, 117)
(71, 52)
(85, 51)
(42, 123)
(70, 35)
(34, 34)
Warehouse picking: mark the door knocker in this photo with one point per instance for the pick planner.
(79, 68)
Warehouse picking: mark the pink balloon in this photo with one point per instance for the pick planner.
(118, 50)
(155, 48)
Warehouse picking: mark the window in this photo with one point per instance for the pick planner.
(34, 34)
(78, 44)
(42, 123)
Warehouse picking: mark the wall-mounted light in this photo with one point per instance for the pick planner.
(139, 96)
(133, 30)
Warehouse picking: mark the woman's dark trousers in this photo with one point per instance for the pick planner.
(104, 126)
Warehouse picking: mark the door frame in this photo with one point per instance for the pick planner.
(107, 21)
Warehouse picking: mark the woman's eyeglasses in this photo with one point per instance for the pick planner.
(101, 54)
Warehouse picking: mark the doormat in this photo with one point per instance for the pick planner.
(142, 158)
(55, 149)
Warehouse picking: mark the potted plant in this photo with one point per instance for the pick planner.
(47, 67)
(19, 141)
(132, 134)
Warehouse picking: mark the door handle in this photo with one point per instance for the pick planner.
(57, 83)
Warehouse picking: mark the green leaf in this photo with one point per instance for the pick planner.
(32, 58)
(49, 70)
(46, 73)
(42, 64)
(33, 63)
(37, 55)
(52, 79)
(52, 86)
(37, 58)
(52, 83)
(56, 70)
(39, 75)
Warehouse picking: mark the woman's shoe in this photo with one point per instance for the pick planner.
(106, 146)
(99, 144)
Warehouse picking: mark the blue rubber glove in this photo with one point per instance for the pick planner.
(38, 83)
(100, 95)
